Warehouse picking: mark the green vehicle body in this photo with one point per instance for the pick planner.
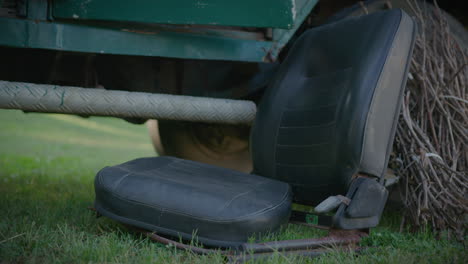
(242, 30)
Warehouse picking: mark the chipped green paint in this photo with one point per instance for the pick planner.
(281, 36)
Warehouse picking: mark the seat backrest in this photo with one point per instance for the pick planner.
(331, 110)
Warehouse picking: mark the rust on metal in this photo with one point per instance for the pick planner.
(335, 238)
(194, 249)
(341, 239)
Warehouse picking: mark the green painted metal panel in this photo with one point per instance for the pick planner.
(125, 38)
(37, 9)
(245, 13)
(81, 38)
(282, 36)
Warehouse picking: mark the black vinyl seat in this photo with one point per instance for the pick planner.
(179, 197)
(329, 113)
(333, 108)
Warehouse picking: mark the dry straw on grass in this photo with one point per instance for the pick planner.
(432, 135)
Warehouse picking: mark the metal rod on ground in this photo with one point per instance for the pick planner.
(86, 101)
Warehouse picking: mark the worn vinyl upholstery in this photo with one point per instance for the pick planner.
(329, 113)
(180, 197)
(332, 109)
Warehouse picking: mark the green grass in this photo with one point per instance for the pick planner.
(47, 167)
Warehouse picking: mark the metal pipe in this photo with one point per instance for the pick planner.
(194, 249)
(343, 238)
(87, 101)
(312, 245)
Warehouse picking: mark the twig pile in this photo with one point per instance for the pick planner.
(432, 135)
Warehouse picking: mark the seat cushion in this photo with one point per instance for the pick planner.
(180, 198)
(332, 108)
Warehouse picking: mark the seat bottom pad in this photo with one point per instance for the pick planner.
(183, 198)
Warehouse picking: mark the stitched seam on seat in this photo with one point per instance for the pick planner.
(311, 126)
(309, 108)
(240, 195)
(156, 174)
(266, 210)
(315, 185)
(123, 168)
(275, 142)
(327, 165)
(117, 182)
(329, 124)
(304, 146)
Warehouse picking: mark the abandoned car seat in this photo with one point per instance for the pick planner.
(179, 197)
(329, 114)
(333, 108)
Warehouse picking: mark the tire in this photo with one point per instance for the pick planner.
(229, 149)
(221, 145)
(458, 30)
